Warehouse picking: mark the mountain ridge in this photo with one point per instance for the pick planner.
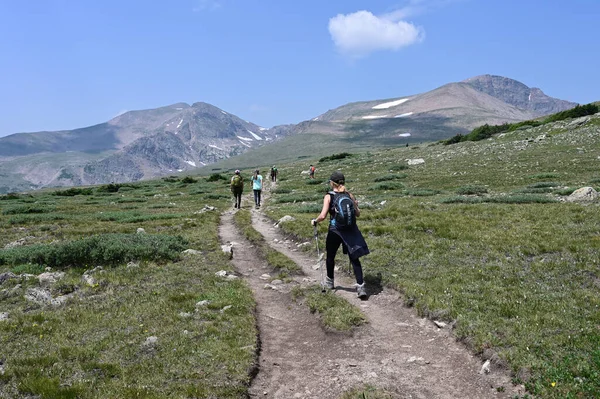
(180, 137)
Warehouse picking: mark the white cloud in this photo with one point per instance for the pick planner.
(361, 33)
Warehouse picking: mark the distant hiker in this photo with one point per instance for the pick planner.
(237, 188)
(311, 172)
(274, 174)
(343, 210)
(257, 180)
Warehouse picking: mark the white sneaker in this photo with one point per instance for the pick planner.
(361, 291)
(329, 283)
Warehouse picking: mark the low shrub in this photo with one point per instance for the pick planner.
(170, 179)
(71, 192)
(544, 176)
(336, 157)
(387, 186)
(461, 200)
(396, 168)
(26, 209)
(189, 180)
(312, 182)
(422, 192)
(521, 199)
(389, 178)
(281, 191)
(37, 218)
(105, 249)
(300, 197)
(109, 188)
(544, 184)
(10, 196)
(564, 191)
(216, 177)
(471, 190)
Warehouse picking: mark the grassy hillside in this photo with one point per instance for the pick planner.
(480, 236)
(133, 323)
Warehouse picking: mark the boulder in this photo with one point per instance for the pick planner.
(416, 161)
(584, 194)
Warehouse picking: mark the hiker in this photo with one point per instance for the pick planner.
(237, 188)
(342, 230)
(274, 174)
(257, 187)
(311, 172)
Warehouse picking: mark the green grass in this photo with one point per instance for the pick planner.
(335, 312)
(93, 346)
(517, 271)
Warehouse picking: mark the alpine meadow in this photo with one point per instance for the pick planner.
(124, 290)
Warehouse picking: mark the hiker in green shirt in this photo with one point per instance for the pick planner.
(237, 188)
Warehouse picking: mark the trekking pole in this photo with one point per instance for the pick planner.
(316, 231)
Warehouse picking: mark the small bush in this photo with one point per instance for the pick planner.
(71, 192)
(109, 188)
(26, 209)
(536, 190)
(312, 182)
(309, 208)
(217, 196)
(422, 192)
(336, 157)
(387, 186)
(521, 199)
(281, 191)
(564, 191)
(171, 179)
(105, 249)
(541, 176)
(10, 196)
(461, 200)
(216, 177)
(544, 184)
(396, 168)
(389, 178)
(471, 190)
(454, 139)
(189, 180)
(131, 200)
(36, 218)
(298, 198)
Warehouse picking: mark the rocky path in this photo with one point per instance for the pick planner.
(398, 351)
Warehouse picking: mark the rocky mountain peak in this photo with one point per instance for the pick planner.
(518, 94)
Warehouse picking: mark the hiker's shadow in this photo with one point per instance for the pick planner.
(372, 285)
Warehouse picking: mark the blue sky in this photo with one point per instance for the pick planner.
(71, 63)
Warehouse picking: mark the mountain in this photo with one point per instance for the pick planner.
(180, 137)
(447, 110)
(132, 146)
(519, 95)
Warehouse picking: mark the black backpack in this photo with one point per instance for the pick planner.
(344, 214)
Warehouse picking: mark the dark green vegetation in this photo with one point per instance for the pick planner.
(98, 343)
(479, 235)
(486, 131)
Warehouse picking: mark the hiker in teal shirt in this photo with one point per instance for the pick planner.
(257, 187)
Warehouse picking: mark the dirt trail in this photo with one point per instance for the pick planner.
(397, 350)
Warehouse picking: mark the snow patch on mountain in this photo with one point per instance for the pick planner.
(390, 104)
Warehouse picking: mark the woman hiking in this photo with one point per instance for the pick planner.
(237, 188)
(257, 187)
(343, 209)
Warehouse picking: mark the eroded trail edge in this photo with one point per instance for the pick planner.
(398, 351)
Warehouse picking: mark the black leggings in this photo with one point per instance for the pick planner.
(237, 195)
(257, 197)
(332, 244)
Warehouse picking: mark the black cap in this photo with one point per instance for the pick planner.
(337, 177)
